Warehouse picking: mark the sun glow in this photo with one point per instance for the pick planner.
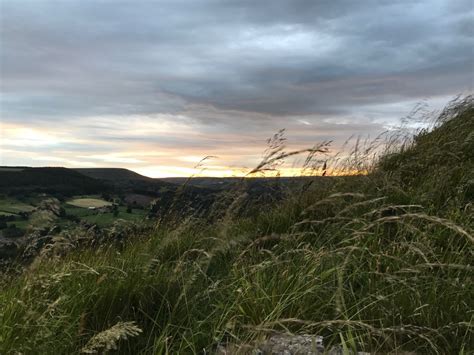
(75, 147)
(27, 137)
(179, 171)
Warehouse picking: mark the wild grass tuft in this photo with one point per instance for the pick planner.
(108, 339)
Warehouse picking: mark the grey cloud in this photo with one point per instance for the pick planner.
(261, 58)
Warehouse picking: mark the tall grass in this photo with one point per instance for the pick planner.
(372, 262)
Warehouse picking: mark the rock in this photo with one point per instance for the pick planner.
(285, 344)
(292, 345)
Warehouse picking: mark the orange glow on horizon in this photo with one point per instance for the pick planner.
(72, 147)
(168, 172)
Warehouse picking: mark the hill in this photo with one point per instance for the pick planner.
(112, 174)
(50, 180)
(438, 165)
(128, 181)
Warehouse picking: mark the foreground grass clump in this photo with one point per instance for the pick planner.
(369, 262)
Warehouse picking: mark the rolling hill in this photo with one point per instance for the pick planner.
(112, 174)
(51, 180)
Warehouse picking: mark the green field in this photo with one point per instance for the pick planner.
(107, 219)
(6, 214)
(22, 224)
(104, 219)
(77, 211)
(89, 202)
(13, 206)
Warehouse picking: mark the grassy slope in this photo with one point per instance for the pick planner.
(373, 262)
(440, 167)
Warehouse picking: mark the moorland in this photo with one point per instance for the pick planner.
(106, 260)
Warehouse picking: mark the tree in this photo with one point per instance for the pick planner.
(115, 210)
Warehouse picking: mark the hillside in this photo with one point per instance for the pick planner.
(112, 174)
(438, 165)
(129, 181)
(50, 180)
(380, 263)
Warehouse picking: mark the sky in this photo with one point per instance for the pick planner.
(155, 86)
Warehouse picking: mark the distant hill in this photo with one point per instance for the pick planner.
(112, 174)
(222, 183)
(127, 181)
(51, 180)
(206, 182)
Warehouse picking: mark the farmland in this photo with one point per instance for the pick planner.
(13, 206)
(89, 203)
(42, 211)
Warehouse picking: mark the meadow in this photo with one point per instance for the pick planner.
(89, 202)
(13, 206)
(380, 262)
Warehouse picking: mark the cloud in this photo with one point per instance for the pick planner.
(205, 75)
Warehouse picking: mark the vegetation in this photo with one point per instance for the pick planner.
(379, 262)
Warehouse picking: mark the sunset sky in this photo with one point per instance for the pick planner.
(154, 86)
